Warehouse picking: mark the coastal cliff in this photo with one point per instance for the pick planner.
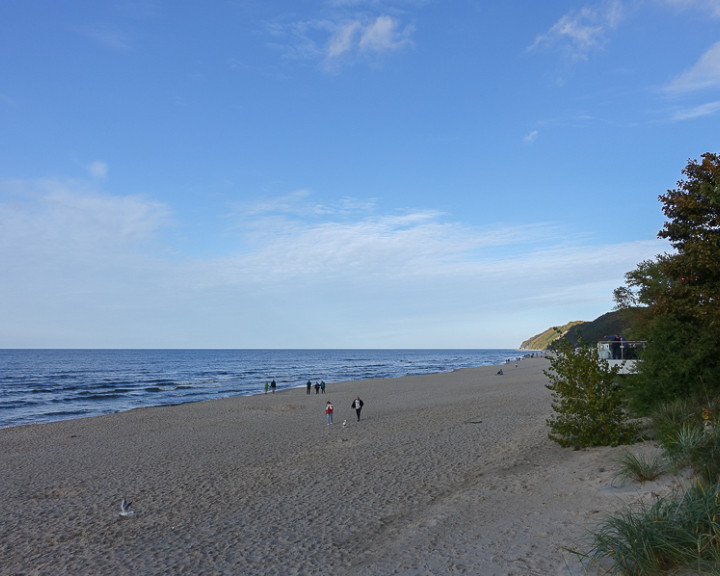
(543, 340)
(618, 322)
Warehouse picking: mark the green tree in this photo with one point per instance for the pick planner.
(587, 401)
(681, 294)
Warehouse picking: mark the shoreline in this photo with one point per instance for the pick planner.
(76, 384)
(445, 474)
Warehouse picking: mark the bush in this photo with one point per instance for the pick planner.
(587, 401)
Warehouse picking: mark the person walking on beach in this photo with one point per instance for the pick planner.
(309, 385)
(267, 386)
(357, 405)
(273, 385)
(317, 387)
(329, 412)
(322, 386)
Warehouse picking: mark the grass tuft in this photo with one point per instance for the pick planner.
(680, 532)
(640, 468)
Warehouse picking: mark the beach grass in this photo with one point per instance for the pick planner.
(681, 532)
(640, 468)
(690, 437)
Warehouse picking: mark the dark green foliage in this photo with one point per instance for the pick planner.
(680, 362)
(681, 295)
(679, 384)
(618, 322)
(587, 402)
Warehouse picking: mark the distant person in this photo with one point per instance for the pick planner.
(357, 406)
(273, 385)
(329, 412)
(267, 386)
(309, 385)
(322, 386)
(317, 387)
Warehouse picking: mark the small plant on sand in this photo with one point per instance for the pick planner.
(587, 401)
(690, 436)
(697, 448)
(680, 532)
(640, 468)
(669, 417)
(683, 444)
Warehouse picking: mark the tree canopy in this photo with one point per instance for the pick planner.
(681, 292)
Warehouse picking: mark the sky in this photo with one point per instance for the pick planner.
(338, 173)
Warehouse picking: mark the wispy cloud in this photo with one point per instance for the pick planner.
(345, 33)
(343, 40)
(531, 137)
(98, 169)
(579, 32)
(72, 219)
(87, 260)
(359, 39)
(384, 35)
(694, 112)
(711, 7)
(299, 203)
(705, 73)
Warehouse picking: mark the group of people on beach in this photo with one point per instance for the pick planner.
(356, 405)
(319, 386)
(270, 386)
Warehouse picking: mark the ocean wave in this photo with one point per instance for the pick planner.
(35, 383)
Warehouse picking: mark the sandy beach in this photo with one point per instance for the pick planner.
(444, 474)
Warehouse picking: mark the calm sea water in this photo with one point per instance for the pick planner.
(48, 385)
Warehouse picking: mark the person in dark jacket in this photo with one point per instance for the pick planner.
(357, 405)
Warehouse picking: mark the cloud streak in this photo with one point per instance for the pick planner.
(358, 40)
(94, 261)
(711, 7)
(581, 31)
(346, 33)
(705, 73)
(707, 109)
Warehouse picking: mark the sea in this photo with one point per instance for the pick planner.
(40, 386)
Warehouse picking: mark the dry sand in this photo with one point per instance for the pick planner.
(444, 474)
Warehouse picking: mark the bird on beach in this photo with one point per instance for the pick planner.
(344, 423)
(125, 511)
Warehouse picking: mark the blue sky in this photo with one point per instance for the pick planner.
(338, 173)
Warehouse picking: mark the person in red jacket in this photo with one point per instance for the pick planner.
(329, 412)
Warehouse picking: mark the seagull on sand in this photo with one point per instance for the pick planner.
(344, 423)
(125, 511)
